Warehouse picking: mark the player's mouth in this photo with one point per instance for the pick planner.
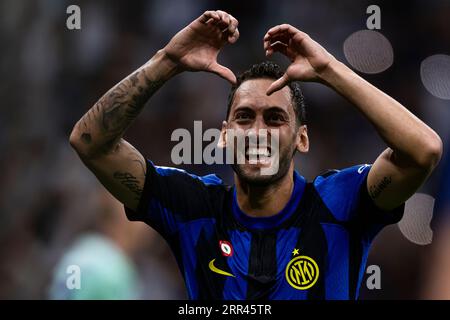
(260, 155)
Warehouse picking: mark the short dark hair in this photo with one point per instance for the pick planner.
(271, 70)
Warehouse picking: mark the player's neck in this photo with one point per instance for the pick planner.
(265, 201)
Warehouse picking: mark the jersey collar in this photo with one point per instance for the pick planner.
(277, 219)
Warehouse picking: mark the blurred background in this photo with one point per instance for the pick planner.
(54, 213)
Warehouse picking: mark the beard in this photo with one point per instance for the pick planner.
(251, 173)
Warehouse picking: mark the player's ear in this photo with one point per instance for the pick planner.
(302, 140)
(223, 135)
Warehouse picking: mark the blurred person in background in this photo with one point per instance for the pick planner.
(436, 279)
(104, 257)
(437, 260)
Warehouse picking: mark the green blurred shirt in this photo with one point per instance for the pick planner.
(105, 272)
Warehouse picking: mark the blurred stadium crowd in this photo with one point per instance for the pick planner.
(52, 209)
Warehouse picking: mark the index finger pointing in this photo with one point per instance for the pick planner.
(283, 28)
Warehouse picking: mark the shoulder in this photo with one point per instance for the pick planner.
(172, 196)
(344, 176)
(340, 189)
(178, 178)
(210, 179)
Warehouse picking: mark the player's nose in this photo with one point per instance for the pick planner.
(259, 124)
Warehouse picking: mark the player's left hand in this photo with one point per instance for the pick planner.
(309, 59)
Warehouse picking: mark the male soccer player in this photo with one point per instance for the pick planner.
(269, 236)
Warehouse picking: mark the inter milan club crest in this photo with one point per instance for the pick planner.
(302, 272)
(226, 248)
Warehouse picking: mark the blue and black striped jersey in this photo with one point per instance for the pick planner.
(315, 248)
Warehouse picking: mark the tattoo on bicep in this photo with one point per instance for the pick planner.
(375, 190)
(129, 181)
(141, 165)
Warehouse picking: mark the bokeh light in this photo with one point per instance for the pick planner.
(435, 75)
(369, 51)
(415, 224)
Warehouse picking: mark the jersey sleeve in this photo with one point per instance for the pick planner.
(172, 197)
(345, 194)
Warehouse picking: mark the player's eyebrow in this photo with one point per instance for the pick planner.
(267, 109)
(243, 108)
(276, 109)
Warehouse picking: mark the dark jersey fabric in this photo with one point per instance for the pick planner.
(331, 220)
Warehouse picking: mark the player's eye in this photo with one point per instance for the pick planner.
(242, 116)
(275, 118)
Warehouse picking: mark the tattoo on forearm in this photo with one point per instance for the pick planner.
(375, 190)
(124, 102)
(115, 111)
(129, 181)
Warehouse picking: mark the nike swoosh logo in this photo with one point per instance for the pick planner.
(216, 270)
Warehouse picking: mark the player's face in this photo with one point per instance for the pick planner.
(251, 111)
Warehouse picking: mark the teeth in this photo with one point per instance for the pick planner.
(258, 152)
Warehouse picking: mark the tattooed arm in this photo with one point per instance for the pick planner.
(414, 148)
(97, 136)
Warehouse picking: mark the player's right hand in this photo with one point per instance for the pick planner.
(195, 48)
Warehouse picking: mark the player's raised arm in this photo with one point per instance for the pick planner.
(97, 136)
(414, 148)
